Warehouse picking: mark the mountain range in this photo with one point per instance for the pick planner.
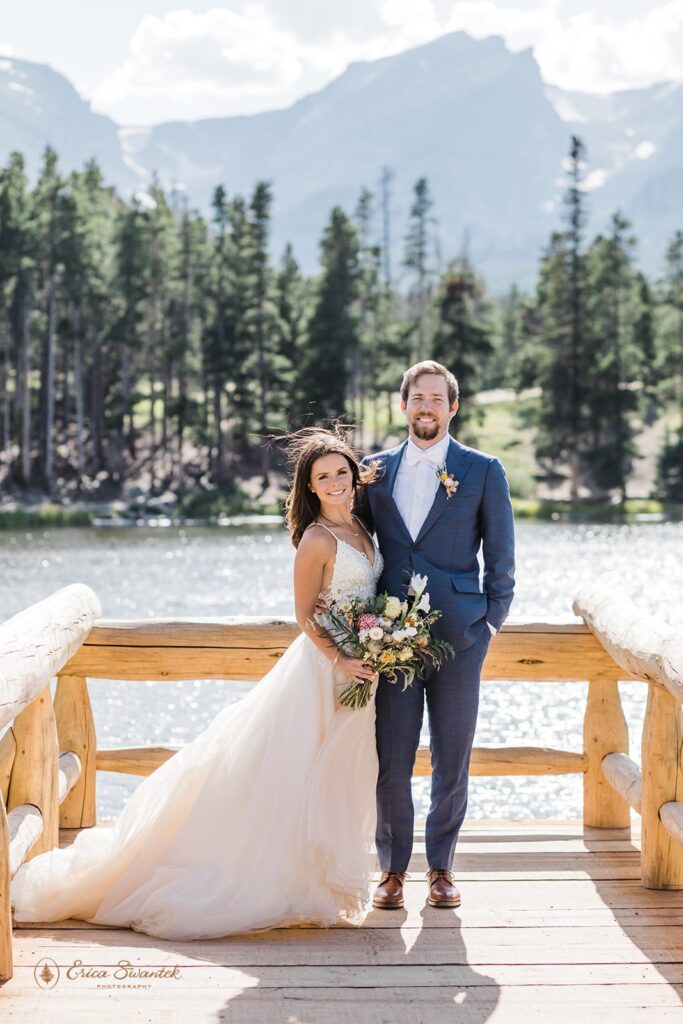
(470, 115)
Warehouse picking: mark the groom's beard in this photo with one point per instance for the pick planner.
(425, 432)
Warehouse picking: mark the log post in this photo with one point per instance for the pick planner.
(8, 747)
(34, 778)
(6, 966)
(605, 731)
(76, 732)
(662, 855)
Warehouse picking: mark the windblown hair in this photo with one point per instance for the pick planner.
(303, 447)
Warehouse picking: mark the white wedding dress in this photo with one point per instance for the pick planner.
(266, 818)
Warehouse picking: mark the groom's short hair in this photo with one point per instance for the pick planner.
(429, 366)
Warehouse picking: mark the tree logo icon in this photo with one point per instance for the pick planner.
(46, 973)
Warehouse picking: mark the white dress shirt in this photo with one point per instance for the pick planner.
(417, 483)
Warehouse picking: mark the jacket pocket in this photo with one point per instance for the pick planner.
(465, 583)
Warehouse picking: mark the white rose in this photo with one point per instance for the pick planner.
(410, 631)
(376, 633)
(393, 608)
(417, 584)
(424, 603)
(398, 635)
(363, 635)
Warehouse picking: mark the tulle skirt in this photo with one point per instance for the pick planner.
(266, 818)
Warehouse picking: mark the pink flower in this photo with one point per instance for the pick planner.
(366, 621)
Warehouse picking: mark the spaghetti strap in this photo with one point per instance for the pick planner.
(324, 528)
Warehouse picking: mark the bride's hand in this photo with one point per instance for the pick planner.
(355, 669)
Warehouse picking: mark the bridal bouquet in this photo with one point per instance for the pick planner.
(388, 634)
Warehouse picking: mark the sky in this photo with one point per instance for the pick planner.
(146, 61)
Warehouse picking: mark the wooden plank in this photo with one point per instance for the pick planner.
(250, 631)
(230, 649)
(204, 965)
(352, 1006)
(484, 761)
(366, 947)
(419, 915)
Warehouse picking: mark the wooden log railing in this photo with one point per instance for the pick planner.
(35, 776)
(646, 649)
(49, 758)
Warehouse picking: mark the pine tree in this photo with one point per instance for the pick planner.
(576, 217)
(188, 324)
(239, 310)
(417, 259)
(645, 342)
(556, 438)
(462, 338)
(262, 314)
(16, 270)
(562, 434)
(367, 359)
(87, 286)
(49, 218)
(611, 361)
(17, 283)
(215, 355)
(126, 332)
(333, 329)
(670, 465)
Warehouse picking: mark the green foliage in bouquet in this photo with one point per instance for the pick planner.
(391, 636)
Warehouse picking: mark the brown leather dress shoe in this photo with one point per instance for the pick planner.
(389, 893)
(442, 891)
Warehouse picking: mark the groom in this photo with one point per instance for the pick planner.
(434, 526)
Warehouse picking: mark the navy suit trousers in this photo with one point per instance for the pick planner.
(452, 695)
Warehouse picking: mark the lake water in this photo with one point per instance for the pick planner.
(156, 572)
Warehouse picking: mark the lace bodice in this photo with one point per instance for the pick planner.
(353, 574)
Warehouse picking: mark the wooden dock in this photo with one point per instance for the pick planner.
(554, 926)
(560, 921)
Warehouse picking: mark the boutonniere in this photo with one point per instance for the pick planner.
(447, 481)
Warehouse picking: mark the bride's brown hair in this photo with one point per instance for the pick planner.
(303, 447)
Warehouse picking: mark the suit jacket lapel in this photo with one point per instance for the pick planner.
(457, 464)
(392, 463)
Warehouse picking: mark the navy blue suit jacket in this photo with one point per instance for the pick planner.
(478, 515)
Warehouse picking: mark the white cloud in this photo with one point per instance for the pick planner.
(260, 54)
(588, 50)
(218, 60)
(595, 179)
(644, 150)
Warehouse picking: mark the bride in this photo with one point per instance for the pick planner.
(267, 818)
